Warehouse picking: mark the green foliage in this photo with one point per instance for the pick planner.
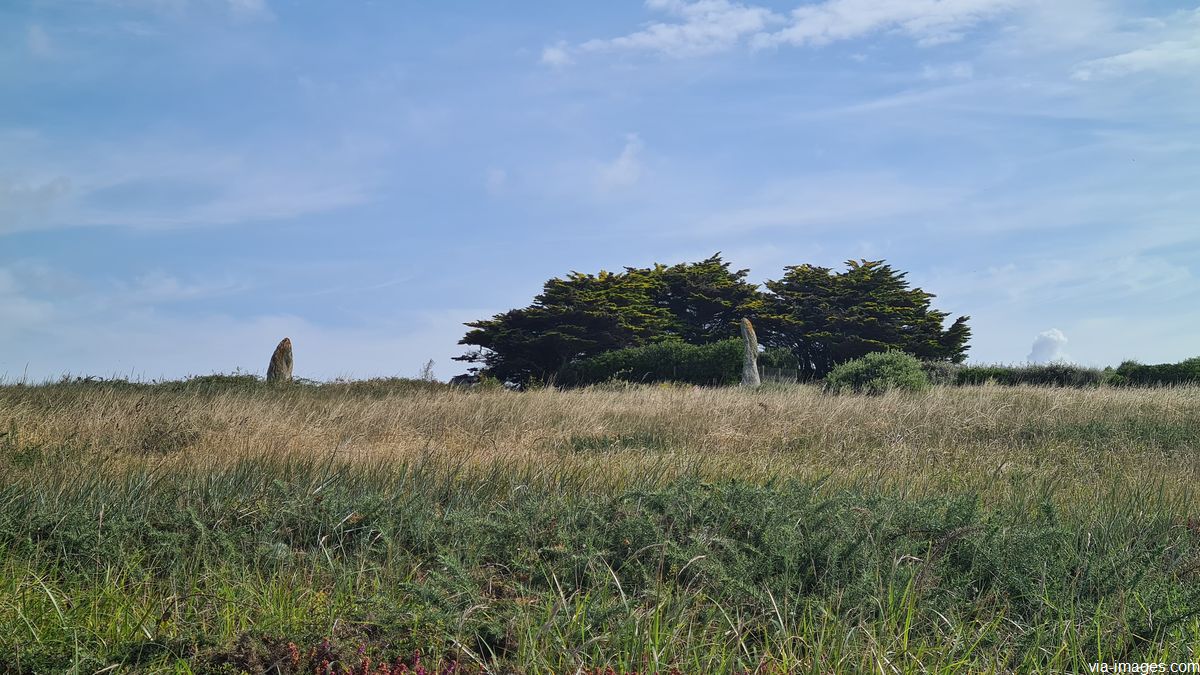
(942, 372)
(718, 363)
(876, 373)
(1046, 375)
(1134, 373)
(1129, 373)
(778, 357)
(584, 315)
(825, 318)
(810, 320)
(298, 562)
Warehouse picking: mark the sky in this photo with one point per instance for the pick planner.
(185, 182)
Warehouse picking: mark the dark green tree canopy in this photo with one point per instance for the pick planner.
(820, 316)
(825, 317)
(584, 315)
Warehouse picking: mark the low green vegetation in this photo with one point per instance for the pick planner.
(385, 527)
(1041, 375)
(1129, 373)
(877, 373)
(715, 364)
(1134, 373)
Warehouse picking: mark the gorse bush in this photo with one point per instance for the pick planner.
(719, 363)
(877, 373)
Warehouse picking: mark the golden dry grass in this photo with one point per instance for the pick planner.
(1072, 515)
(984, 439)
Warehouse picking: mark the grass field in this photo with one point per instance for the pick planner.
(387, 527)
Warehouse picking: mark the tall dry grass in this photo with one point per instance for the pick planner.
(986, 439)
(207, 528)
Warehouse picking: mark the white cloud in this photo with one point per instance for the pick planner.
(703, 27)
(1163, 56)
(626, 169)
(1048, 346)
(165, 182)
(929, 22)
(33, 204)
(1172, 45)
(707, 26)
(557, 55)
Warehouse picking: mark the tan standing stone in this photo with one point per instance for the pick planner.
(750, 376)
(280, 369)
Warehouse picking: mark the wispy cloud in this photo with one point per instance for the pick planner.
(1171, 45)
(38, 296)
(626, 169)
(701, 27)
(557, 55)
(31, 204)
(929, 22)
(168, 183)
(707, 26)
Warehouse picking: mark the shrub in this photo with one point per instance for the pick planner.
(1048, 374)
(219, 382)
(1134, 373)
(718, 363)
(778, 357)
(941, 372)
(876, 373)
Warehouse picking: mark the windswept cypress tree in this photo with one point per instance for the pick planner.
(825, 317)
(820, 316)
(583, 315)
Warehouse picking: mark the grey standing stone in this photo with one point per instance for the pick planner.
(280, 369)
(750, 359)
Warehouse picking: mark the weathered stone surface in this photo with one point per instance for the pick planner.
(750, 376)
(280, 369)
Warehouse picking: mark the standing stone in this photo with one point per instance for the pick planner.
(280, 369)
(750, 359)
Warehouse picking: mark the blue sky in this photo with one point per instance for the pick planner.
(185, 182)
